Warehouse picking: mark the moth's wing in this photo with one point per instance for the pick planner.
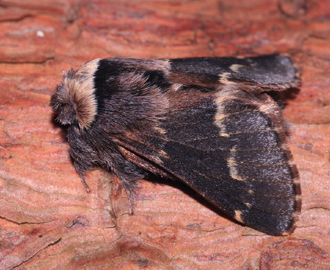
(262, 73)
(232, 150)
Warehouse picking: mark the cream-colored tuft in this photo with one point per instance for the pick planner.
(163, 154)
(233, 165)
(220, 116)
(224, 78)
(81, 89)
(233, 171)
(160, 130)
(248, 205)
(268, 109)
(235, 67)
(238, 216)
(176, 86)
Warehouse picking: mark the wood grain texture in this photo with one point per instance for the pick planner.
(48, 221)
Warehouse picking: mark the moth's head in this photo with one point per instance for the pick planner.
(74, 100)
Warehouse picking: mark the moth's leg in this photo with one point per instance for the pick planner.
(128, 173)
(130, 187)
(81, 172)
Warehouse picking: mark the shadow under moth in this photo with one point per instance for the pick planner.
(207, 122)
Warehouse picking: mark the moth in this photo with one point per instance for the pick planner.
(208, 122)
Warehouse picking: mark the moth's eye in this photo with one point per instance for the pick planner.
(56, 103)
(67, 114)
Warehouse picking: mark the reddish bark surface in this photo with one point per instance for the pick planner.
(48, 221)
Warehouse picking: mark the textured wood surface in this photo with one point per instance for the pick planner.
(48, 221)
